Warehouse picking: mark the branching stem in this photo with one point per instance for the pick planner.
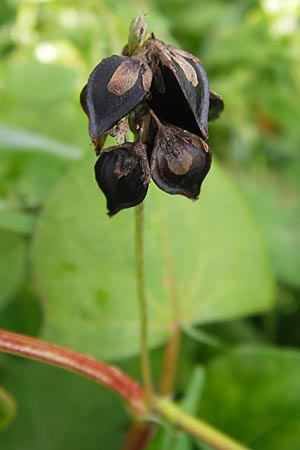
(201, 430)
(121, 384)
(109, 376)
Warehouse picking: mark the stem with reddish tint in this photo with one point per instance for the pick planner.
(109, 376)
(167, 381)
(121, 384)
(138, 436)
(169, 370)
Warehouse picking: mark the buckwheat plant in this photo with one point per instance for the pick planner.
(160, 96)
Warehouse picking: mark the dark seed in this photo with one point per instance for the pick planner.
(123, 174)
(180, 161)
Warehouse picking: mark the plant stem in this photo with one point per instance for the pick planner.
(167, 381)
(108, 376)
(141, 294)
(168, 377)
(121, 384)
(138, 436)
(201, 430)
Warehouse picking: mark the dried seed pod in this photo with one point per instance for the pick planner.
(122, 173)
(216, 105)
(180, 161)
(83, 100)
(180, 88)
(114, 88)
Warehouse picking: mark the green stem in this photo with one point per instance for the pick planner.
(141, 294)
(168, 378)
(201, 430)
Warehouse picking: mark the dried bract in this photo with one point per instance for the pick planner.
(115, 87)
(180, 89)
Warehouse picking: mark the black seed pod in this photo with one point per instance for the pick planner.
(180, 88)
(162, 95)
(114, 88)
(122, 173)
(216, 105)
(180, 161)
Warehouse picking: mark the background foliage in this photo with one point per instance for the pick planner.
(66, 270)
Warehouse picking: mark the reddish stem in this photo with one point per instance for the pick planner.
(167, 381)
(168, 377)
(108, 376)
(138, 436)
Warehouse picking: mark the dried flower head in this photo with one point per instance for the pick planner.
(162, 94)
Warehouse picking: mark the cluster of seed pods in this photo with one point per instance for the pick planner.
(162, 95)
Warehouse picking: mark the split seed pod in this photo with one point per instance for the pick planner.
(114, 88)
(180, 161)
(180, 88)
(122, 173)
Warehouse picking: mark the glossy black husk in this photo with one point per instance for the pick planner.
(122, 173)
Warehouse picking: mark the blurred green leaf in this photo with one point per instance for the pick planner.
(16, 221)
(254, 395)
(191, 399)
(275, 202)
(167, 438)
(42, 98)
(26, 180)
(176, 441)
(8, 408)
(23, 312)
(201, 336)
(12, 264)
(59, 410)
(21, 140)
(233, 332)
(84, 265)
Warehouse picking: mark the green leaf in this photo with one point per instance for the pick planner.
(59, 410)
(50, 93)
(22, 140)
(7, 408)
(168, 438)
(254, 395)
(16, 221)
(202, 446)
(191, 399)
(278, 212)
(177, 441)
(201, 336)
(12, 264)
(27, 178)
(84, 267)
